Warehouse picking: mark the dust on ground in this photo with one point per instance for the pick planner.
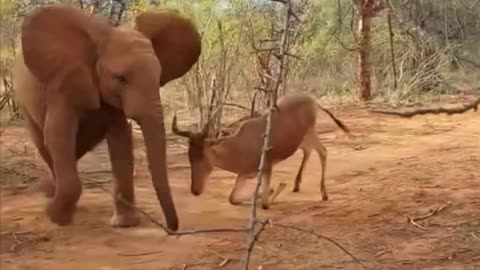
(390, 170)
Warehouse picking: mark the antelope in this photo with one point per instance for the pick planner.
(293, 127)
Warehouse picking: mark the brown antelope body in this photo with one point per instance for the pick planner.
(293, 127)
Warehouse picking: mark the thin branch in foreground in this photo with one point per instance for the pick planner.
(392, 50)
(280, 77)
(320, 236)
(438, 110)
(263, 160)
(251, 244)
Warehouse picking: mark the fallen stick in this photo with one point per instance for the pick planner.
(413, 220)
(177, 233)
(321, 236)
(17, 242)
(248, 229)
(435, 110)
(224, 262)
(387, 249)
(381, 253)
(139, 254)
(431, 213)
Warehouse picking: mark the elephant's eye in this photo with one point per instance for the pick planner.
(120, 78)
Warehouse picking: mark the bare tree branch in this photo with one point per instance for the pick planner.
(280, 77)
(236, 106)
(116, 13)
(392, 50)
(437, 110)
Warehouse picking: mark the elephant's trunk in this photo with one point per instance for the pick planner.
(153, 130)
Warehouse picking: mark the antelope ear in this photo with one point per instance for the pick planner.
(175, 39)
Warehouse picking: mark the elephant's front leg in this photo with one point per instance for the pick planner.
(36, 133)
(120, 148)
(60, 131)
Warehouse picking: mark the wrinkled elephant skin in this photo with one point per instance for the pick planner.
(79, 79)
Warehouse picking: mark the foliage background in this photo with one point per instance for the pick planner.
(436, 48)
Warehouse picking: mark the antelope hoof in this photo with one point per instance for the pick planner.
(324, 197)
(265, 206)
(296, 189)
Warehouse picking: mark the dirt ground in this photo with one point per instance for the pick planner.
(390, 170)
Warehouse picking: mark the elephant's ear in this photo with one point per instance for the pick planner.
(175, 40)
(61, 40)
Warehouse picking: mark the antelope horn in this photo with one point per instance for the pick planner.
(176, 130)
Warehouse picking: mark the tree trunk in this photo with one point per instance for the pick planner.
(365, 8)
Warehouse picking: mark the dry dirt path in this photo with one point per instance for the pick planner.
(393, 168)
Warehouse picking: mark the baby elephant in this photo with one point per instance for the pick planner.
(78, 79)
(293, 127)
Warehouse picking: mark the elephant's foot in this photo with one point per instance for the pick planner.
(128, 218)
(59, 213)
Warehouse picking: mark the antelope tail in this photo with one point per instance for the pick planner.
(337, 121)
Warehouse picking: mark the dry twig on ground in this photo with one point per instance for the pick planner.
(382, 252)
(177, 233)
(432, 213)
(434, 110)
(320, 236)
(139, 254)
(255, 235)
(413, 220)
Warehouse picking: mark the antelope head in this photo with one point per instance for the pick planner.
(198, 154)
